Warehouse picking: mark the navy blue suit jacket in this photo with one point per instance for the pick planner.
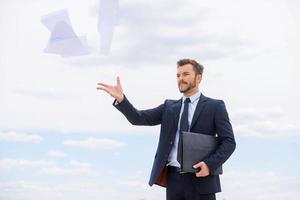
(210, 118)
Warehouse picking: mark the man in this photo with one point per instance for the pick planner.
(201, 115)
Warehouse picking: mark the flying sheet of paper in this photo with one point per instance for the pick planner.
(51, 19)
(108, 18)
(63, 39)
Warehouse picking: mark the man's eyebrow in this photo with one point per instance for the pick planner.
(183, 73)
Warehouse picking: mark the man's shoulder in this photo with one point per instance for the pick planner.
(171, 101)
(212, 101)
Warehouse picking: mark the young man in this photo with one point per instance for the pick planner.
(194, 112)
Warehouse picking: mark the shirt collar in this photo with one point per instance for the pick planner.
(193, 98)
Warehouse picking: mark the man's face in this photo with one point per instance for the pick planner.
(186, 79)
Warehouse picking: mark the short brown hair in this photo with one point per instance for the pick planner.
(198, 68)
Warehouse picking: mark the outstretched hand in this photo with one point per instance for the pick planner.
(115, 91)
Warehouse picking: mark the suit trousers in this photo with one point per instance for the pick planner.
(181, 187)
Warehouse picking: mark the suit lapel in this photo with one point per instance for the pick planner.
(199, 108)
(176, 110)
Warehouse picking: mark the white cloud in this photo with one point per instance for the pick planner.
(66, 171)
(79, 164)
(54, 153)
(45, 93)
(71, 168)
(253, 115)
(235, 185)
(268, 129)
(12, 136)
(226, 37)
(133, 183)
(45, 167)
(270, 122)
(95, 143)
(260, 186)
(9, 164)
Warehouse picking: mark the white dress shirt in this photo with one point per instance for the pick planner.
(172, 160)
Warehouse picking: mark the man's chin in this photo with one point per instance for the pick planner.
(183, 90)
(187, 88)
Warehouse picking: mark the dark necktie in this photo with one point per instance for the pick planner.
(184, 126)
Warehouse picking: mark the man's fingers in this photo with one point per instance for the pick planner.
(204, 170)
(198, 165)
(118, 81)
(105, 89)
(200, 174)
(100, 88)
(113, 90)
(104, 85)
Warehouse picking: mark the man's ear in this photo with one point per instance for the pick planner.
(198, 78)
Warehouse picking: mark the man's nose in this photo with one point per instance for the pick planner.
(179, 78)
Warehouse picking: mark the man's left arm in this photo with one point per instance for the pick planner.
(226, 138)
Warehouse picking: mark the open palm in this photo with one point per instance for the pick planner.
(113, 90)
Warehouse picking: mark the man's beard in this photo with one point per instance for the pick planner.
(190, 86)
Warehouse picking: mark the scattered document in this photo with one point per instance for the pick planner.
(63, 40)
(108, 18)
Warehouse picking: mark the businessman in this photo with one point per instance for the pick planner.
(193, 112)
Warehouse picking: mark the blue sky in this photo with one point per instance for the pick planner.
(62, 139)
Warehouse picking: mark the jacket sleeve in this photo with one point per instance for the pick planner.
(149, 117)
(226, 138)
